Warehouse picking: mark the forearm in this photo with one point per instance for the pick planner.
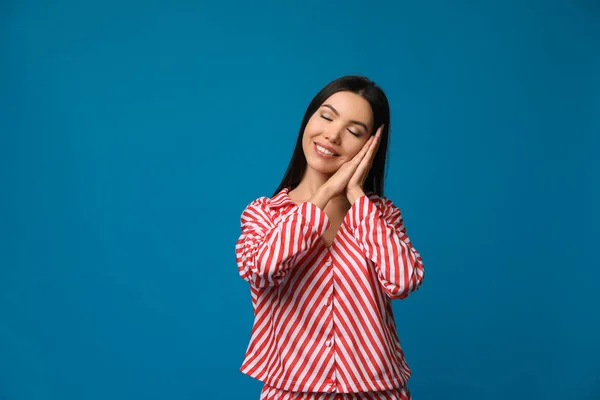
(265, 251)
(383, 239)
(398, 265)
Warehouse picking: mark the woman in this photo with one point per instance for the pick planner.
(326, 255)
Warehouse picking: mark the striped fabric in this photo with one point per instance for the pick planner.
(323, 315)
(271, 393)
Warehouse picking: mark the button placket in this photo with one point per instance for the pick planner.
(331, 383)
(328, 263)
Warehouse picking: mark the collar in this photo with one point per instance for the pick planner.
(281, 199)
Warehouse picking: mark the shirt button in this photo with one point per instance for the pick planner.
(330, 386)
(328, 343)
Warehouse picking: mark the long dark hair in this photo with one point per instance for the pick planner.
(381, 115)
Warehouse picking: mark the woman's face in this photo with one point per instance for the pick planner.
(337, 131)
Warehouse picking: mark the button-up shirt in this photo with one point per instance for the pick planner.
(323, 319)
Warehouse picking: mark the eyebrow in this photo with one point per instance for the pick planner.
(353, 121)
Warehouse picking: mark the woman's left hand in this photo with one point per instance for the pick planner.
(354, 189)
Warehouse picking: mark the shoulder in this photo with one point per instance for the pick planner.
(382, 202)
(388, 209)
(261, 202)
(257, 207)
(267, 209)
(256, 215)
(267, 204)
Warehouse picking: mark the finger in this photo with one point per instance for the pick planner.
(364, 162)
(367, 144)
(367, 160)
(362, 170)
(360, 155)
(364, 158)
(378, 138)
(373, 147)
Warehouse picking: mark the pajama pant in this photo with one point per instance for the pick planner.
(271, 393)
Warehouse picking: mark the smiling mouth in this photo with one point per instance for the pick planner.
(325, 152)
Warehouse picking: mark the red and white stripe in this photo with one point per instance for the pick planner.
(271, 393)
(323, 315)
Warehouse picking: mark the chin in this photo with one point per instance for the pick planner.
(321, 167)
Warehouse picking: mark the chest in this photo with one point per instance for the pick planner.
(336, 217)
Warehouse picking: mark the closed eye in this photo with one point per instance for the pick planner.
(349, 130)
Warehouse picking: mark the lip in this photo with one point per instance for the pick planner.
(326, 147)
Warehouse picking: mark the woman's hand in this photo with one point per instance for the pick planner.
(338, 182)
(354, 188)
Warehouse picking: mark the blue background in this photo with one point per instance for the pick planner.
(134, 133)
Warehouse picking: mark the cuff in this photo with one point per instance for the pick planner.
(361, 208)
(315, 217)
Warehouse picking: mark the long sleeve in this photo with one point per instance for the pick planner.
(266, 250)
(380, 232)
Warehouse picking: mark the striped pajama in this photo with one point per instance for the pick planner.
(323, 320)
(271, 393)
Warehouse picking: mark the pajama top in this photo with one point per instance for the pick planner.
(323, 319)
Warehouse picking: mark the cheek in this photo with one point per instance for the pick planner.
(354, 148)
(311, 130)
(307, 137)
(311, 127)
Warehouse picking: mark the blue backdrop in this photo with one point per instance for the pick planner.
(134, 133)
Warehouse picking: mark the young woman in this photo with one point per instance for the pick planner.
(325, 256)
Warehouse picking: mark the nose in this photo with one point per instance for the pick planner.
(333, 135)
